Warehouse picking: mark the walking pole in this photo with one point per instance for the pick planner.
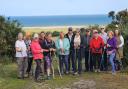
(58, 67)
(52, 67)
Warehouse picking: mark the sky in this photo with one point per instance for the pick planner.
(59, 7)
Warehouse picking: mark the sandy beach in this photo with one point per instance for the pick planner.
(52, 28)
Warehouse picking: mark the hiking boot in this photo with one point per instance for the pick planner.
(75, 73)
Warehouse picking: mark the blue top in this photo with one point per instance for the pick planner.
(66, 46)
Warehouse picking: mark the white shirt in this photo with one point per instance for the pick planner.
(61, 43)
(22, 46)
(104, 37)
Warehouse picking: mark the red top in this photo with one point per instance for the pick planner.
(96, 45)
(36, 50)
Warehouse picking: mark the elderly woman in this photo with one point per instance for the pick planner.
(120, 44)
(111, 50)
(48, 44)
(96, 46)
(21, 55)
(63, 47)
(37, 55)
(77, 44)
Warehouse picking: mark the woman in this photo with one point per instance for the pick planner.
(21, 55)
(29, 52)
(111, 50)
(49, 45)
(63, 47)
(96, 46)
(77, 42)
(37, 55)
(120, 44)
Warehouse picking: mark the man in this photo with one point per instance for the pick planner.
(96, 45)
(104, 55)
(86, 41)
(70, 37)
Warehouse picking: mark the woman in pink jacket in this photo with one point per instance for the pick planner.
(37, 55)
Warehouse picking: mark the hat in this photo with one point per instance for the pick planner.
(35, 35)
(116, 26)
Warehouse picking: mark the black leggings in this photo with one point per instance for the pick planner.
(38, 68)
(96, 59)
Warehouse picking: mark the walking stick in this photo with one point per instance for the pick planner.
(52, 67)
(58, 67)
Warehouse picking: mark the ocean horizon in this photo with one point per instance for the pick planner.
(61, 20)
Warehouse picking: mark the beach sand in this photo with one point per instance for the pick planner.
(50, 28)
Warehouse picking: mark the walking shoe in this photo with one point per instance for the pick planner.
(75, 73)
(113, 73)
(67, 72)
(98, 70)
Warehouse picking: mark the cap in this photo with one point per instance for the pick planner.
(35, 35)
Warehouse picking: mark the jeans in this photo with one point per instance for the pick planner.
(63, 60)
(38, 68)
(111, 60)
(96, 59)
(71, 61)
(22, 63)
(77, 60)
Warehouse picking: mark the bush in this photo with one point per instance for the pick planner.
(8, 33)
(55, 33)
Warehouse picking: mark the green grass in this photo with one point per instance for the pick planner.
(8, 80)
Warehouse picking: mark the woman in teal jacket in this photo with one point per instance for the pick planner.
(63, 46)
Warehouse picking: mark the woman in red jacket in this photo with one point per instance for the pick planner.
(37, 55)
(96, 45)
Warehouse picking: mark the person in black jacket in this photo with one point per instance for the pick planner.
(70, 35)
(86, 41)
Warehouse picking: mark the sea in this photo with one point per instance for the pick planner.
(62, 20)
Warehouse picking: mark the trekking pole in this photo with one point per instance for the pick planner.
(58, 67)
(52, 67)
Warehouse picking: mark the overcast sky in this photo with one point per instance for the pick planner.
(59, 7)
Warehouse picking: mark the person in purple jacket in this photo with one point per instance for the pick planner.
(111, 50)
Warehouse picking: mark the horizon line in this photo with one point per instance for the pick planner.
(51, 15)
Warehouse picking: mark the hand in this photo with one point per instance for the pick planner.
(62, 50)
(50, 49)
(42, 51)
(54, 50)
(108, 45)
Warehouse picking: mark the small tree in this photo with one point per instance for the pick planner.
(8, 34)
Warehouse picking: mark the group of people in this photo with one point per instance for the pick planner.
(98, 49)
